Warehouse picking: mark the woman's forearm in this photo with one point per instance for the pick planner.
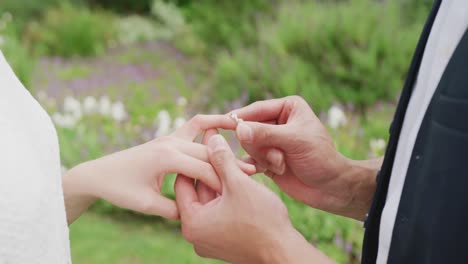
(76, 192)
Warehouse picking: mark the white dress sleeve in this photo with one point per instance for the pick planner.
(33, 227)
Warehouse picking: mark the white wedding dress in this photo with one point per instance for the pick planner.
(33, 227)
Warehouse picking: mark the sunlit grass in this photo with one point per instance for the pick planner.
(97, 239)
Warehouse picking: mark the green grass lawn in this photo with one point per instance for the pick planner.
(126, 240)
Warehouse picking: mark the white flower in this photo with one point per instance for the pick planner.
(181, 101)
(377, 146)
(178, 122)
(65, 120)
(336, 117)
(118, 111)
(164, 123)
(105, 106)
(72, 106)
(90, 105)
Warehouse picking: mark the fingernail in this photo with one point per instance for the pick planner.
(276, 161)
(217, 142)
(244, 133)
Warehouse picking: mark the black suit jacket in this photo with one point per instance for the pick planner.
(433, 210)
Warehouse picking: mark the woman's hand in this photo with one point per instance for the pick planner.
(133, 178)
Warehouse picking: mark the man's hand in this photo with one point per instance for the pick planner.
(247, 223)
(285, 138)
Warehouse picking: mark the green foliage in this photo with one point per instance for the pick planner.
(227, 23)
(123, 6)
(71, 31)
(134, 29)
(416, 9)
(23, 10)
(355, 51)
(16, 55)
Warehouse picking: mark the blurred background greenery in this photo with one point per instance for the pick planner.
(115, 73)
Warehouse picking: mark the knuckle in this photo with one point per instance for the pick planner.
(295, 98)
(164, 145)
(264, 134)
(197, 119)
(219, 157)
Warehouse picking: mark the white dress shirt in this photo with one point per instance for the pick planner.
(449, 27)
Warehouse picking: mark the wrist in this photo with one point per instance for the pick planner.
(76, 192)
(361, 175)
(77, 182)
(292, 247)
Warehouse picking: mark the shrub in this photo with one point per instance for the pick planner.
(354, 51)
(23, 10)
(17, 56)
(124, 6)
(227, 23)
(134, 29)
(69, 31)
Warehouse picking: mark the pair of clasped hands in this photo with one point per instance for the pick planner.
(224, 213)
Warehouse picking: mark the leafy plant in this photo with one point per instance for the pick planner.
(352, 51)
(227, 23)
(16, 55)
(69, 31)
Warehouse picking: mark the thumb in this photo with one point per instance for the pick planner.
(261, 134)
(223, 161)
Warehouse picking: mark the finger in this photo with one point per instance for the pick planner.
(262, 110)
(247, 168)
(200, 152)
(163, 206)
(270, 159)
(186, 196)
(259, 155)
(275, 161)
(195, 126)
(249, 160)
(196, 169)
(208, 134)
(270, 122)
(223, 161)
(261, 135)
(205, 193)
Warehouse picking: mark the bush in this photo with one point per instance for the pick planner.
(69, 31)
(123, 6)
(355, 51)
(23, 10)
(17, 56)
(227, 23)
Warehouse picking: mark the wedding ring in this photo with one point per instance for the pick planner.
(236, 118)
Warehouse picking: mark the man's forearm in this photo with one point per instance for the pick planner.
(292, 247)
(362, 174)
